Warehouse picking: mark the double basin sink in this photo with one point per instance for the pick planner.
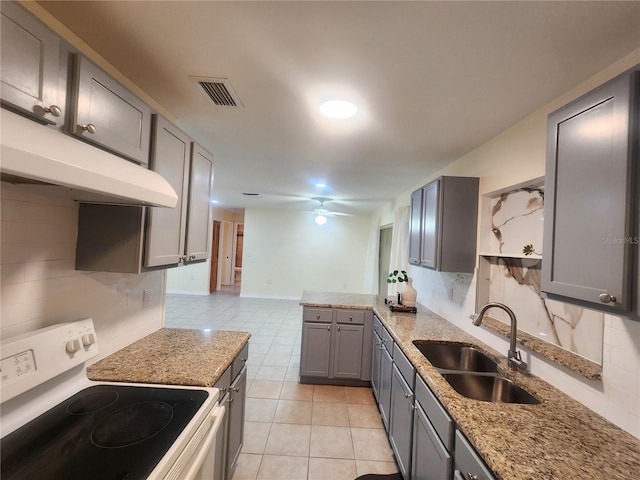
(471, 373)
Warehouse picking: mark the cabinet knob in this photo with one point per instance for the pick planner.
(606, 298)
(350, 318)
(192, 256)
(338, 327)
(472, 477)
(407, 395)
(328, 328)
(54, 110)
(89, 127)
(317, 316)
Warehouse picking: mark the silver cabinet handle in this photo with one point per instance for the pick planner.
(338, 327)
(192, 256)
(472, 477)
(408, 395)
(89, 127)
(328, 328)
(350, 318)
(606, 298)
(317, 316)
(236, 389)
(54, 110)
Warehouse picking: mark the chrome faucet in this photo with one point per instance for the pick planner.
(514, 360)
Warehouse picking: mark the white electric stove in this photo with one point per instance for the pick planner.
(56, 424)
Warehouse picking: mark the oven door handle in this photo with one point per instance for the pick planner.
(208, 445)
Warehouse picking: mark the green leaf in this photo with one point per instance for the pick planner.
(395, 272)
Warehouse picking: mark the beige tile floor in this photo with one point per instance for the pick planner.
(292, 431)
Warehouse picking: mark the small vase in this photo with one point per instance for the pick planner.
(409, 294)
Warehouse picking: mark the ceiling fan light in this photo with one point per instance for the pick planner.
(338, 109)
(321, 219)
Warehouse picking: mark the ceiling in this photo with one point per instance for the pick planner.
(432, 81)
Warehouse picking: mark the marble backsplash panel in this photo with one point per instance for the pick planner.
(515, 221)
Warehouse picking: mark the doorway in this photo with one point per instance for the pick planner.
(384, 258)
(215, 251)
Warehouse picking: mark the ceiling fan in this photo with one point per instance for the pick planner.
(322, 213)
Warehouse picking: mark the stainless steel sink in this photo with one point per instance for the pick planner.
(489, 388)
(453, 356)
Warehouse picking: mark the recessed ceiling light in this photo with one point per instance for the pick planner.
(338, 109)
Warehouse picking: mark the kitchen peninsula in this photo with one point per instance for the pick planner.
(557, 438)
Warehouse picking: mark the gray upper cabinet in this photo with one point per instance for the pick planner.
(166, 226)
(415, 227)
(443, 224)
(198, 225)
(31, 56)
(129, 239)
(106, 114)
(591, 206)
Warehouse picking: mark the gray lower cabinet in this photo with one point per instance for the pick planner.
(469, 465)
(433, 437)
(401, 411)
(107, 114)
(233, 386)
(336, 345)
(386, 372)
(31, 65)
(590, 245)
(375, 366)
(315, 358)
(443, 224)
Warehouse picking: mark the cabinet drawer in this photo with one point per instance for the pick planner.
(355, 317)
(468, 462)
(404, 365)
(438, 416)
(377, 326)
(317, 315)
(239, 361)
(387, 341)
(224, 382)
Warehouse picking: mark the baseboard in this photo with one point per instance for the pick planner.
(268, 297)
(186, 292)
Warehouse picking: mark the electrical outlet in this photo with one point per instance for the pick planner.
(146, 298)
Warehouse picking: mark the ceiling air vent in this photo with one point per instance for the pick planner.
(218, 90)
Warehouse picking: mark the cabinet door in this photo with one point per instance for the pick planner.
(386, 371)
(347, 353)
(430, 459)
(30, 55)
(237, 402)
(375, 368)
(198, 222)
(221, 441)
(401, 421)
(166, 226)
(109, 115)
(468, 462)
(315, 354)
(590, 181)
(430, 224)
(415, 227)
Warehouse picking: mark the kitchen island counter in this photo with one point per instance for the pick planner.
(172, 356)
(558, 438)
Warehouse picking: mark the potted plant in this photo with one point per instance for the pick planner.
(398, 276)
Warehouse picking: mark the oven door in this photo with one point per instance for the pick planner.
(197, 460)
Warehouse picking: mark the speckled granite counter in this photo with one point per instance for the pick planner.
(558, 439)
(172, 356)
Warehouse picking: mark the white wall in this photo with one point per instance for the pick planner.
(286, 252)
(40, 287)
(515, 156)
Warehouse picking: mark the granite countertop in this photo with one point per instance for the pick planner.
(172, 356)
(556, 439)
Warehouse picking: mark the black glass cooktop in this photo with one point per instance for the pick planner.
(104, 432)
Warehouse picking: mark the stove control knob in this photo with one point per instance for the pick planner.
(88, 339)
(73, 346)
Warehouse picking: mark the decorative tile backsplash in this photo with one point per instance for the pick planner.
(515, 221)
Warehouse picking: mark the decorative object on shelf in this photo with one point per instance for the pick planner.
(408, 295)
(530, 250)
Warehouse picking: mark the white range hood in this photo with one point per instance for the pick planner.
(35, 152)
